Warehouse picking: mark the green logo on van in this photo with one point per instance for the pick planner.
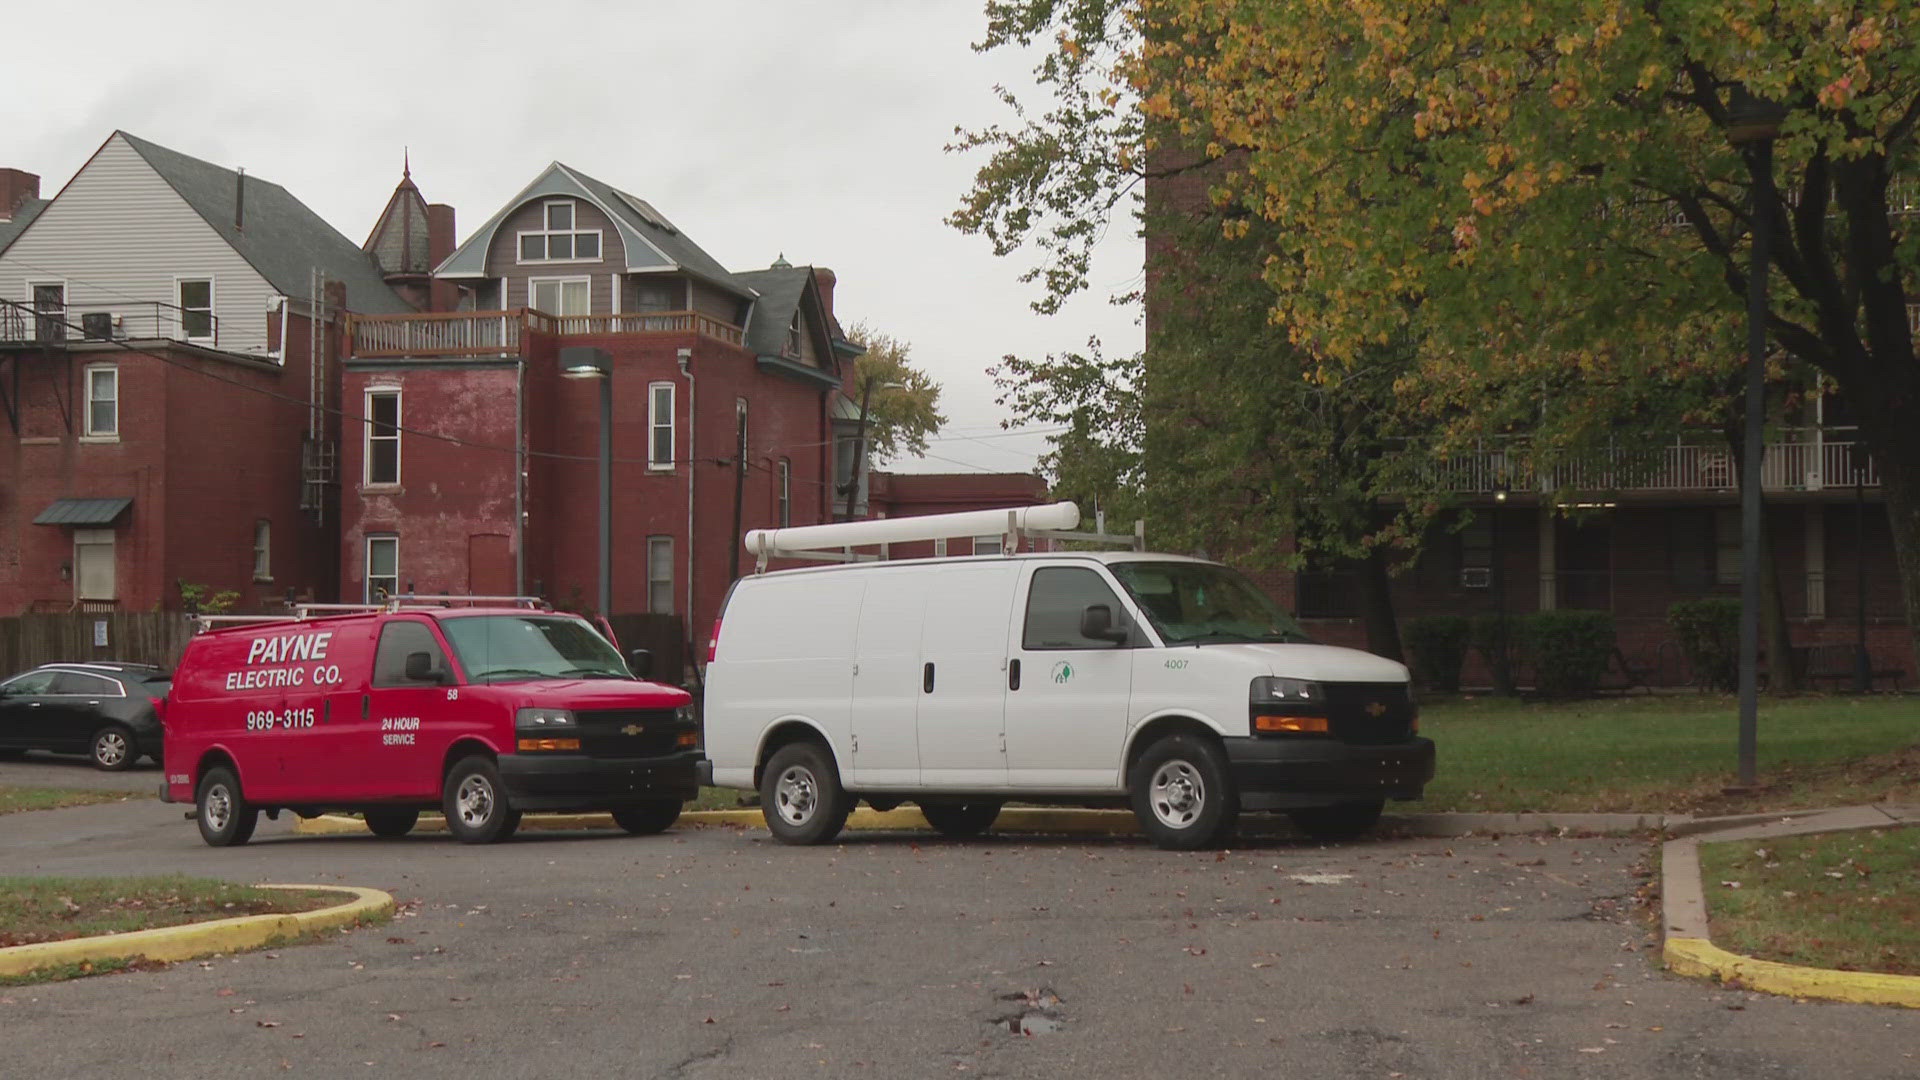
(1062, 671)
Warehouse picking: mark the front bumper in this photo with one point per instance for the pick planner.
(576, 782)
(1280, 773)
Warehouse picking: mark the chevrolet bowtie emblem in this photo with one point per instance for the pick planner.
(1376, 710)
(632, 729)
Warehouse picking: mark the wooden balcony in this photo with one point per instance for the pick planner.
(498, 333)
(1802, 459)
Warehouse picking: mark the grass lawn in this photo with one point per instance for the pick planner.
(13, 799)
(1847, 900)
(1668, 753)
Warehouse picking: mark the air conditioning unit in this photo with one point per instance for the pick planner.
(1476, 577)
(97, 325)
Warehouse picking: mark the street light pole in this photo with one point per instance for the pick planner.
(582, 362)
(1502, 660)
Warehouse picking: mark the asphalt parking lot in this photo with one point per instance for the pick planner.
(716, 952)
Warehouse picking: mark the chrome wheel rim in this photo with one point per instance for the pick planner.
(217, 810)
(1177, 794)
(796, 795)
(474, 801)
(110, 748)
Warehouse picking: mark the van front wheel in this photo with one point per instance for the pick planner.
(476, 804)
(801, 797)
(1182, 795)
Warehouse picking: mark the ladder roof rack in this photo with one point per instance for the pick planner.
(835, 542)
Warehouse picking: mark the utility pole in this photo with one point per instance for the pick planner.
(739, 496)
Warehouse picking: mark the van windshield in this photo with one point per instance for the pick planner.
(498, 648)
(1204, 603)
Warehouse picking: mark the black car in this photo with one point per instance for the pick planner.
(110, 712)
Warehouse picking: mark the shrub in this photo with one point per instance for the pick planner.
(1571, 650)
(1489, 633)
(1709, 633)
(1439, 646)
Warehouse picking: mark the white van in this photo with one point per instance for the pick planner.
(1077, 677)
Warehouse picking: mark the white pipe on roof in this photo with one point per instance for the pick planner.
(901, 530)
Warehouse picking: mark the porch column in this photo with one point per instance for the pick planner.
(1816, 560)
(1549, 582)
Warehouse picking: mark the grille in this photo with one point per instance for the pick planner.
(1351, 708)
(602, 732)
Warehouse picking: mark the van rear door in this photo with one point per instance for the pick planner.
(963, 689)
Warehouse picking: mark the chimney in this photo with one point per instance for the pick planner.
(16, 187)
(824, 281)
(439, 233)
(240, 200)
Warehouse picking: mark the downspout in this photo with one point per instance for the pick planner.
(686, 368)
(519, 475)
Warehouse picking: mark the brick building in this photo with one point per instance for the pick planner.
(160, 389)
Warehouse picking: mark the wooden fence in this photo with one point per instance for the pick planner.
(145, 637)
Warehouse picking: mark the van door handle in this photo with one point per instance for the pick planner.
(366, 706)
(926, 677)
(326, 710)
(1013, 674)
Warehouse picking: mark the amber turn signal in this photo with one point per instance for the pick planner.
(686, 739)
(549, 744)
(1314, 724)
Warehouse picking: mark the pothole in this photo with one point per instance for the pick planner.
(1033, 1012)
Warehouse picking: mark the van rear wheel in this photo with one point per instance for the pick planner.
(1342, 822)
(648, 818)
(476, 804)
(801, 797)
(1182, 794)
(224, 817)
(391, 824)
(960, 819)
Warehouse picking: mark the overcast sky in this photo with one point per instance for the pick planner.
(813, 128)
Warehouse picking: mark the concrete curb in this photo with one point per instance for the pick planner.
(1689, 951)
(193, 940)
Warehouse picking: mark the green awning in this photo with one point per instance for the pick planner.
(83, 512)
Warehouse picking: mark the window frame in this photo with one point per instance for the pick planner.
(663, 585)
(784, 494)
(88, 432)
(181, 310)
(262, 550)
(369, 438)
(1117, 604)
(547, 230)
(383, 676)
(997, 540)
(658, 420)
(366, 572)
(534, 283)
(104, 538)
(49, 326)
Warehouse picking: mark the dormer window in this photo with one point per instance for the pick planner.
(793, 336)
(559, 240)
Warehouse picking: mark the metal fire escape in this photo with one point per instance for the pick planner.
(319, 455)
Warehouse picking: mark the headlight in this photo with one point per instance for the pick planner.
(1271, 688)
(684, 713)
(538, 719)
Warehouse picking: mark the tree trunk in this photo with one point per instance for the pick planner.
(1900, 480)
(1376, 607)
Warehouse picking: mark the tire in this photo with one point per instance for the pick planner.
(801, 797)
(475, 803)
(391, 824)
(221, 811)
(1182, 795)
(648, 818)
(1342, 822)
(959, 819)
(112, 749)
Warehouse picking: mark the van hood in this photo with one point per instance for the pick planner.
(1320, 663)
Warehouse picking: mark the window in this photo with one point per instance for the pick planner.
(103, 402)
(77, 684)
(1726, 535)
(383, 568)
(793, 336)
(262, 550)
(660, 575)
(989, 545)
(660, 425)
(32, 684)
(559, 241)
(93, 576)
(50, 309)
(654, 298)
(940, 547)
(785, 517)
(383, 437)
(1055, 602)
(196, 307)
(561, 296)
(398, 639)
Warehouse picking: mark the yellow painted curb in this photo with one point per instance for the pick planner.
(169, 943)
(1700, 957)
(1044, 820)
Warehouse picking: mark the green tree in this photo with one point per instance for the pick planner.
(905, 404)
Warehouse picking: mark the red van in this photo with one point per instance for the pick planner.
(482, 712)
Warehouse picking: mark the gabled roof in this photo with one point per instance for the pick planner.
(781, 290)
(22, 216)
(280, 237)
(650, 240)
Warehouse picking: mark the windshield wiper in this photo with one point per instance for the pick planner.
(522, 673)
(592, 673)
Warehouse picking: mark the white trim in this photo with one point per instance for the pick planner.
(66, 299)
(654, 464)
(615, 280)
(180, 309)
(547, 230)
(653, 581)
(87, 433)
(584, 279)
(366, 568)
(263, 549)
(783, 505)
(367, 436)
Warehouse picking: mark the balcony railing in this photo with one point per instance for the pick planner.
(23, 324)
(1806, 459)
(497, 333)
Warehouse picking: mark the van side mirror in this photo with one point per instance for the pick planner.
(1096, 624)
(640, 662)
(420, 668)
